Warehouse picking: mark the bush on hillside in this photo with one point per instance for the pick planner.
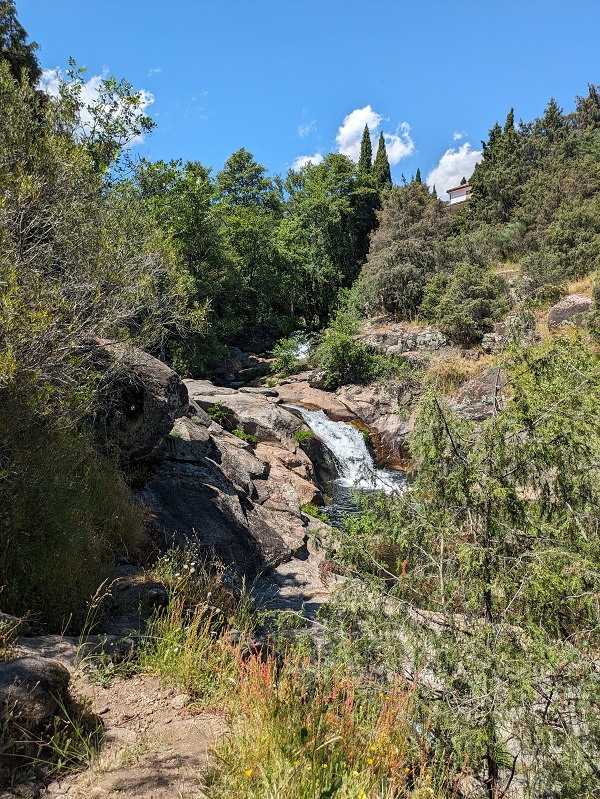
(473, 299)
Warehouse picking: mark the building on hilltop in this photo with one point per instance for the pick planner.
(459, 194)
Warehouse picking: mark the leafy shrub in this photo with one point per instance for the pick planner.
(310, 509)
(473, 300)
(285, 354)
(65, 515)
(302, 436)
(346, 359)
(217, 413)
(252, 440)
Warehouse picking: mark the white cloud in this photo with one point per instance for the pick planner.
(304, 130)
(452, 167)
(398, 145)
(459, 134)
(350, 132)
(303, 160)
(154, 71)
(90, 90)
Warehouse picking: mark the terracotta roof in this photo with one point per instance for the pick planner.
(456, 188)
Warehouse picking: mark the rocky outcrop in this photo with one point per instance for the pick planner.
(399, 338)
(479, 398)
(138, 400)
(212, 490)
(382, 407)
(516, 327)
(572, 310)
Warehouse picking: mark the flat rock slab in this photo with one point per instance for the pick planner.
(314, 399)
(572, 309)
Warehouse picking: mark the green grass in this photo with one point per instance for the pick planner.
(298, 729)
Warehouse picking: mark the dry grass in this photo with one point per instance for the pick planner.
(450, 372)
(582, 286)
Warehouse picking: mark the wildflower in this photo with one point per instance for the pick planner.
(372, 748)
(248, 772)
(355, 773)
(370, 761)
(324, 765)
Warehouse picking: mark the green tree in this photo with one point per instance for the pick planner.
(382, 174)
(319, 236)
(405, 250)
(472, 300)
(14, 47)
(493, 611)
(498, 178)
(366, 154)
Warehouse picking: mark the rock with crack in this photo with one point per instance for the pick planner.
(139, 398)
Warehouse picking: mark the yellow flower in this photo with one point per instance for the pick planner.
(355, 773)
(370, 761)
(372, 748)
(324, 765)
(248, 772)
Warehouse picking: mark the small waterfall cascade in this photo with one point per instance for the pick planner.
(354, 462)
(303, 345)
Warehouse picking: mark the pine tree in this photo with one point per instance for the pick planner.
(14, 47)
(418, 176)
(366, 154)
(381, 167)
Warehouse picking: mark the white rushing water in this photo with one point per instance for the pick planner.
(303, 345)
(353, 460)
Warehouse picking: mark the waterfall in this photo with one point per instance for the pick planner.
(354, 462)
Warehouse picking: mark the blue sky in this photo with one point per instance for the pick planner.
(288, 80)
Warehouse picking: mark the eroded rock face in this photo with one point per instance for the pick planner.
(479, 398)
(572, 309)
(138, 400)
(252, 412)
(516, 327)
(212, 489)
(398, 338)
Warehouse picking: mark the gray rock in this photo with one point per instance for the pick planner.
(253, 413)
(480, 397)
(572, 309)
(139, 398)
(31, 690)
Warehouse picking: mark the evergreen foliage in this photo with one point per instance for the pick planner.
(496, 555)
(14, 47)
(382, 174)
(366, 154)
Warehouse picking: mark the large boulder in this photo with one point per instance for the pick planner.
(480, 397)
(139, 398)
(253, 412)
(32, 689)
(572, 310)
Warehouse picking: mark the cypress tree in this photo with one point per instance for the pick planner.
(418, 176)
(381, 167)
(14, 46)
(366, 153)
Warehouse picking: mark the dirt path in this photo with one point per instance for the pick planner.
(155, 748)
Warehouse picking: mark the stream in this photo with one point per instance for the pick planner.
(357, 472)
